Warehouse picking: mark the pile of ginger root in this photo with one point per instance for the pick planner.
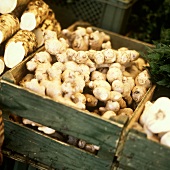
(82, 70)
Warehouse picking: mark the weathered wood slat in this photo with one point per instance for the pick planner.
(134, 118)
(60, 117)
(13, 156)
(141, 153)
(48, 151)
(138, 152)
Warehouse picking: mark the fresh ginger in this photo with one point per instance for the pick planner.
(84, 75)
(53, 45)
(91, 101)
(34, 85)
(85, 39)
(114, 74)
(110, 106)
(97, 75)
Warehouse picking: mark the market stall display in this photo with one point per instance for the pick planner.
(70, 113)
(80, 92)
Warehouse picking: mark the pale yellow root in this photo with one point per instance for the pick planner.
(39, 36)
(50, 23)
(47, 25)
(2, 65)
(19, 46)
(20, 8)
(9, 24)
(7, 6)
(91, 100)
(36, 12)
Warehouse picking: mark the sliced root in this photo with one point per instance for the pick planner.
(39, 36)
(50, 23)
(36, 12)
(7, 6)
(12, 60)
(9, 24)
(11, 5)
(19, 46)
(2, 65)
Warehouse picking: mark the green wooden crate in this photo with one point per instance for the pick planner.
(56, 154)
(139, 152)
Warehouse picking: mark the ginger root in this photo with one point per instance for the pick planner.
(76, 70)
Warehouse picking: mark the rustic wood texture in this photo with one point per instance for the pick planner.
(65, 119)
(51, 152)
(141, 153)
(11, 157)
(138, 152)
(135, 117)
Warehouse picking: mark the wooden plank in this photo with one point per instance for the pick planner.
(13, 156)
(65, 119)
(20, 166)
(7, 164)
(141, 153)
(133, 119)
(49, 151)
(31, 168)
(28, 142)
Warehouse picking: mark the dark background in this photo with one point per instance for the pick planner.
(148, 21)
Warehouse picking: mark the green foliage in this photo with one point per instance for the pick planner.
(165, 36)
(148, 18)
(159, 61)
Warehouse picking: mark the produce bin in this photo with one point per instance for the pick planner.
(138, 151)
(111, 15)
(42, 148)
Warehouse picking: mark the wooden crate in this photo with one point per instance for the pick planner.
(44, 149)
(139, 152)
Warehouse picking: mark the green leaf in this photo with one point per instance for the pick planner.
(154, 57)
(164, 82)
(165, 68)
